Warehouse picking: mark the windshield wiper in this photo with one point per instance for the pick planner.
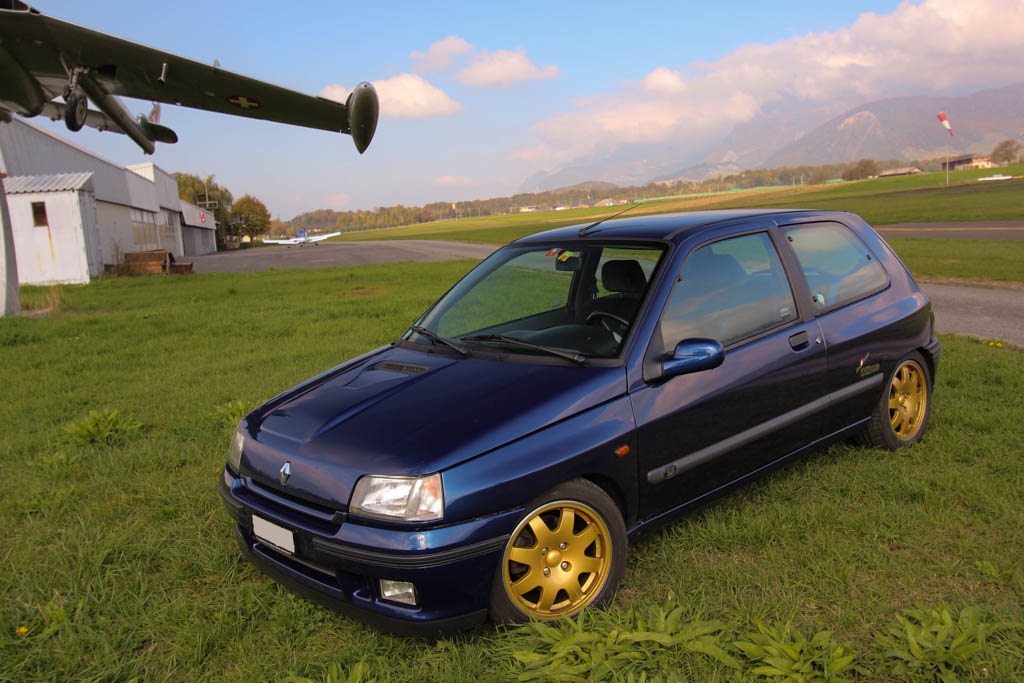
(434, 337)
(568, 355)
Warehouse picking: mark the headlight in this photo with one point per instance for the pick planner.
(410, 499)
(235, 450)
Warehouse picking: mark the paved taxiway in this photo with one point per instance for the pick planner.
(988, 312)
(327, 254)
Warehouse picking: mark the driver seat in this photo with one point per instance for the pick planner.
(626, 281)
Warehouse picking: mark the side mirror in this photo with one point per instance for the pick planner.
(693, 355)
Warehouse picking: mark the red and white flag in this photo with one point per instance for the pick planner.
(945, 122)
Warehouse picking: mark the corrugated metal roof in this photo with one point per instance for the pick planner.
(57, 182)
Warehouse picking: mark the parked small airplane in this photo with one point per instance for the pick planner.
(302, 239)
(43, 58)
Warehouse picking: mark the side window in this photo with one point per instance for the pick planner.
(837, 264)
(727, 291)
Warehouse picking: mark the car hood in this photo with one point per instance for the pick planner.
(398, 411)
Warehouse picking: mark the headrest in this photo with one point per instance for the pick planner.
(623, 276)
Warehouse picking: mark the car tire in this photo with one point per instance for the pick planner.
(901, 415)
(567, 552)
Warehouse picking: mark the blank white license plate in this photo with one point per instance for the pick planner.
(275, 535)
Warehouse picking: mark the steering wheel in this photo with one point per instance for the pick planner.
(605, 318)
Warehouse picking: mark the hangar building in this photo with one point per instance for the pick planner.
(75, 214)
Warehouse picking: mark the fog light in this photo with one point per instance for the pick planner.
(398, 591)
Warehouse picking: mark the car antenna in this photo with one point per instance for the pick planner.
(585, 229)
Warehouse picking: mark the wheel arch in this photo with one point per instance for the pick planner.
(615, 492)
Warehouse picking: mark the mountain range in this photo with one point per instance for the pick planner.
(799, 134)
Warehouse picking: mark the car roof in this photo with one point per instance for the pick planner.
(660, 226)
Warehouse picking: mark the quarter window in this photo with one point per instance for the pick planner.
(728, 291)
(838, 266)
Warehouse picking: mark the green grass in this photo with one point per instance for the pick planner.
(119, 563)
(905, 199)
(998, 261)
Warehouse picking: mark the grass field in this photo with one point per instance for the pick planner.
(881, 201)
(119, 563)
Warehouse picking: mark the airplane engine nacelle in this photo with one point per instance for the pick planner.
(21, 93)
(363, 109)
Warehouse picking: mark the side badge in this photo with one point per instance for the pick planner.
(286, 472)
(866, 370)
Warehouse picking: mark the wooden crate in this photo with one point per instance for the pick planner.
(151, 261)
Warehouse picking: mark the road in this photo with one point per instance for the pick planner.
(979, 311)
(986, 312)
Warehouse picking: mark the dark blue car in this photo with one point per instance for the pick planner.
(572, 392)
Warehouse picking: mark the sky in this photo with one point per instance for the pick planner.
(477, 96)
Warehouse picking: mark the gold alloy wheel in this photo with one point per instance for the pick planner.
(908, 400)
(558, 560)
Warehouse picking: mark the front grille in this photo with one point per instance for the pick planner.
(299, 564)
(287, 506)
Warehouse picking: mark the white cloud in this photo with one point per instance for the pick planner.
(663, 81)
(404, 96)
(503, 67)
(440, 55)
(932, 46)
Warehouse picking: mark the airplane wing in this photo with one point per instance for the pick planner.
(41, 56)
(292, 240)
(319, 238)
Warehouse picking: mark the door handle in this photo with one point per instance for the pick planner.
(800, 341)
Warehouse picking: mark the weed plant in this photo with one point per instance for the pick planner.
(119, 562)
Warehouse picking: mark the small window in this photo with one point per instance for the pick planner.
(39, 215)
(728, 291)
(837, 264)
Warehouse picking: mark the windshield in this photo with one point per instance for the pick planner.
(575, 300)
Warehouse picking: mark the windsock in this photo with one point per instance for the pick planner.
(945, 122)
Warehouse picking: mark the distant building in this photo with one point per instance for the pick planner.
(906, 170)
(75, 214)
(966, 161)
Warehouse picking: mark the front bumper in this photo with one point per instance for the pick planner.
(339, 563)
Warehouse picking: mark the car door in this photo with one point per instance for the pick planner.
(701, 432)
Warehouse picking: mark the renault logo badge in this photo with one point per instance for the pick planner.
(286, 472)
